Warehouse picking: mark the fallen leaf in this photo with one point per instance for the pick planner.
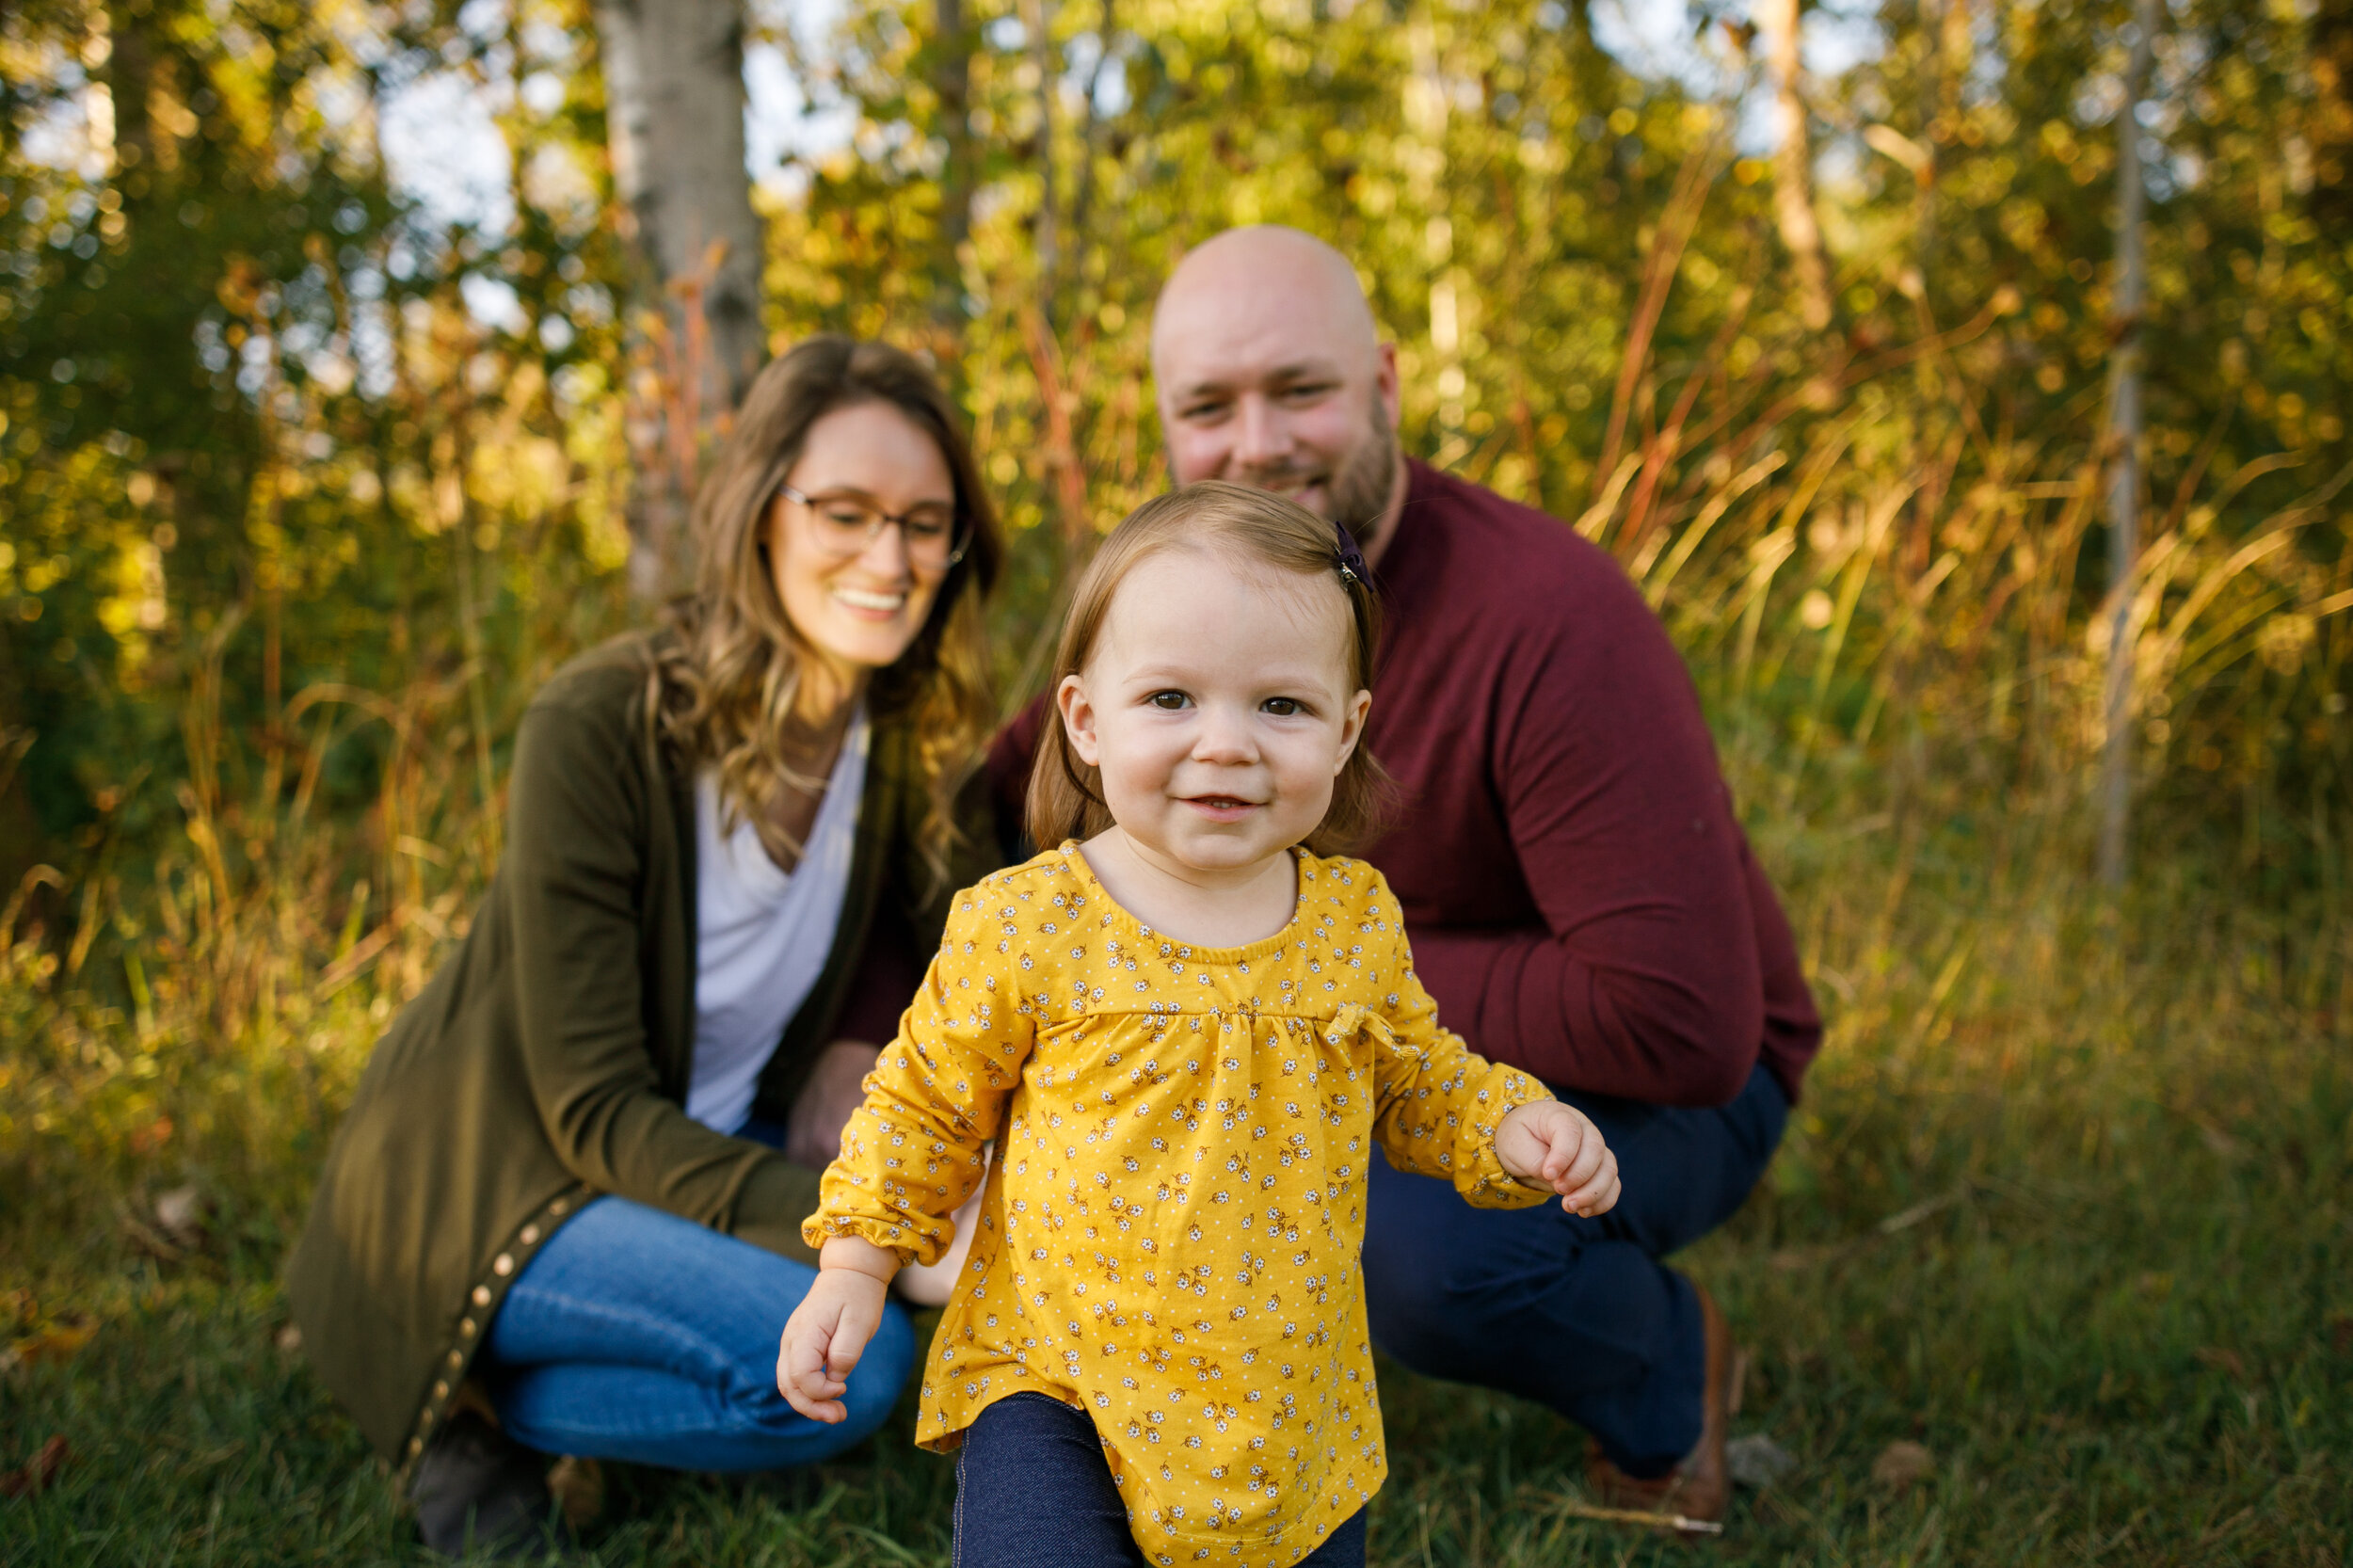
(60, 1341)
(33, 1477)
(578, 1484)
(1757, 1461)
(154, 1135)
(180, 1215)
(2223, 1361)
(2222, 1144)
(1901, 1464)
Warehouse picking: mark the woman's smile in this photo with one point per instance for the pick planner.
(868, 604)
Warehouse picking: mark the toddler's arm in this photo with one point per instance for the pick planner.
(912, 1151)
(1439, 1107)
(1548, 1143)
(829, 1330)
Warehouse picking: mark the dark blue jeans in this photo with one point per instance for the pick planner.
(634, 1334)
(1578, 1314)
(1033, 1490)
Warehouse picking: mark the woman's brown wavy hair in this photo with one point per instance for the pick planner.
(730, 679)
(1259, 530)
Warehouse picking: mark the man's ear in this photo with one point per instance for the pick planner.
(1385, 383)
(1352, 728)
(1077, 719)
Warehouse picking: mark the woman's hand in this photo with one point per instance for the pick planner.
(829, 1330)
(1552, 1144)
(812, 1130)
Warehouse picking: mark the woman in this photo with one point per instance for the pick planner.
(563, 1213)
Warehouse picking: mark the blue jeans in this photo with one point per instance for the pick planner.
(1577, 1314)
(634, 1334)
(1033, 1490)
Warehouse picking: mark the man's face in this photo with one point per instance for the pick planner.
(1261, 381)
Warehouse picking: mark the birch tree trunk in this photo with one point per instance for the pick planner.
(1776, 21)
(674, 110)
(2123, 443)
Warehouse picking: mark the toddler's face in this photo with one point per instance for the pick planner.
(1218, 707)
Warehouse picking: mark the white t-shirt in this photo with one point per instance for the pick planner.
(761, 936)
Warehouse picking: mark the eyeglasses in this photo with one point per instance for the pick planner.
(846, 524)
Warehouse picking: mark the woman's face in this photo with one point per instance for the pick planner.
(859, 611)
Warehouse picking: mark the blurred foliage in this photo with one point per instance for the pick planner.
(303, 488)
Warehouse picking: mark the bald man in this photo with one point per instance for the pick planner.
(1580, 899)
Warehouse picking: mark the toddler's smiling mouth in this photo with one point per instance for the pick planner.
(1221, 807)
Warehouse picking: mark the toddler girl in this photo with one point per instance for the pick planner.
(1186, 1028)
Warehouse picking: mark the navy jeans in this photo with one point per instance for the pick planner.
(1577, 1314)
(1033, 1490)
(634, 1334)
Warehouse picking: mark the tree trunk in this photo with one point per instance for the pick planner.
(1928, 20)
(1037, 17)
(1091, 139)
(2331, 47)
(2123, 444)
(130, 68)
(1776, 21)
(674, 112)
(951, 81)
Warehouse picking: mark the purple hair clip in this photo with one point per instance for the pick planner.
(1348, 558)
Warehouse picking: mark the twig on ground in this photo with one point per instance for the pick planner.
(1635, 1516)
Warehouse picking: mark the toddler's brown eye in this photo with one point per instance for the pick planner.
(1281, 707)
(1168, 701)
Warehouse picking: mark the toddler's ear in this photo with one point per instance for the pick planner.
(1352, 728)
(1077, 719)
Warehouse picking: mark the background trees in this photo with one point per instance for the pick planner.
(250, 385)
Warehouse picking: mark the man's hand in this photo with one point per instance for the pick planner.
(812, 1129)
(829, 1331)
(1552, 1144)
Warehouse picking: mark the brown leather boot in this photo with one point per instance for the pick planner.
(1698, 1487)
(478, 1491)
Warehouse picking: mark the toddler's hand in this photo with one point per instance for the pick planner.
(1548, 1142)
(829, 1331)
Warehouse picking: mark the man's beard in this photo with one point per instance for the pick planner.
(1357, 495)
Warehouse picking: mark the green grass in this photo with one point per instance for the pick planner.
(2070, 1201)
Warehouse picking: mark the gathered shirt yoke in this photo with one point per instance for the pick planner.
(1169, 1237)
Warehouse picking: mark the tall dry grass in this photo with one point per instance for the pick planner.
(1878, 582)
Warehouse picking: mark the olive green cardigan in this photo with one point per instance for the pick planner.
(547, 1062)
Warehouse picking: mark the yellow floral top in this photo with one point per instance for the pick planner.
(1170, 1235)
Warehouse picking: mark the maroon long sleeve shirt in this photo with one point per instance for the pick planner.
(1580, 899)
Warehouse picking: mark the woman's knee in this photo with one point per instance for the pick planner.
(871, 1395)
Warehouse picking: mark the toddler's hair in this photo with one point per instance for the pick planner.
(1242, 525)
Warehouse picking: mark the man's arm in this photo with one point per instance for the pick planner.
(1646, 979)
